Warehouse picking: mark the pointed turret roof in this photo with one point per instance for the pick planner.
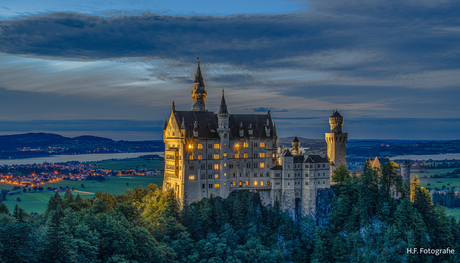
(336, 113)
(199, 79)
(295, 139)
(223, 105)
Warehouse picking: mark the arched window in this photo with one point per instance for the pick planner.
(209, 166)
(203, 166)
(248, 165)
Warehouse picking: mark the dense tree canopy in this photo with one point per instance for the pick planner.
(147, 225)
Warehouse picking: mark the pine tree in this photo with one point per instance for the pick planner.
(3, 208)
(57, 243)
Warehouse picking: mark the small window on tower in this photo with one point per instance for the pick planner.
(191, 177)
(245, 145)
(200, 146)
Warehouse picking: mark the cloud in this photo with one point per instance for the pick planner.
(263, 109)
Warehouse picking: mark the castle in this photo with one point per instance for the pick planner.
(209, 153)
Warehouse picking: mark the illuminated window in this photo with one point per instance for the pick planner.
(262, 144)
(191, 157)
(200, 146)
(245, 155)
(261, 183)
(216, 166)
(200, 157)
(247, 183)
(237, 156)
(225, 174)
(216, 146)
(190, 146)
(191, 177)
(216, 156)
(225, 154)
(245, 145)
(234, 183)
(240, 183)
(225, 164)
(216, 176)
(225, 183)
(255, 183)
(262, 155)
(237, 145)
(268, 182)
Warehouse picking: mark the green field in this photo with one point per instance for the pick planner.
(36, 202)
(433, 181)
(455, 212)
(129, 164)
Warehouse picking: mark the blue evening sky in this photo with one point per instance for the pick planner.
(112, 68)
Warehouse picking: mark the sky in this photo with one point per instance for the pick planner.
(112, 68)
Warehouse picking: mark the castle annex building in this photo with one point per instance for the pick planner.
(217, 153)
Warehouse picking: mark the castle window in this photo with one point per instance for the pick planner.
(216, 176)
(245, 145)
(268, 174)
(209, 176)
(319, 182)
(191, 177)
(225, 164)
(200, 146)
(225, 154)
(288, 183)
(209, 166)
(230, 165)
(209, 146)
(203, 166)
(191, 157)
(306, 174)
(204, 186)
(191, 167)
(236, 156)
(234, 175)
(261, 174)
(237, 145)
(262, 155)
(209, 156)
(255, 183)
(225, 183)
(324, 182)
(273, 155)
(240, 174)
(289, 175)
(225, 174)
(311, 165)
(216, 146)
(255, 155)
(174, 134)
(261, 183)
(256, 144)
(240, 183)
(306, 183)
(216, 156)
(268, 182)
(200, 157)
(245, 155)
(324, 165)
(234, 183)
(248, 165)
(262, 144)
(324, 174)
(216, 185)
(247, 183)
(203, 176)
(319, 165)
(262, 165)
(210, 185)
(255, 174)
(256, 165)
(216, 166)
(277, 175)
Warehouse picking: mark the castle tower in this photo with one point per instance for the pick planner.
(405, 171)
(336, 141)
(223, 129)
(296, 146)
(199, 92)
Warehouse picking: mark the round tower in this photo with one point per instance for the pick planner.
(223, 129)
(296, 146)
(336, 141)
(405, 171)
(336, 122)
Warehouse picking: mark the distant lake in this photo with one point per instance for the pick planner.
(434, 157)
(78, 157)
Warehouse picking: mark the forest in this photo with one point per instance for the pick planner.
(365, 224)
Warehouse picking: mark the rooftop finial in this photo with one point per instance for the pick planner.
(173, 106)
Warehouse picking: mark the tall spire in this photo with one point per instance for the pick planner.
(199, 92)
(223, 105)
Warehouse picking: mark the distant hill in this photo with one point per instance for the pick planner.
(29, 145)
